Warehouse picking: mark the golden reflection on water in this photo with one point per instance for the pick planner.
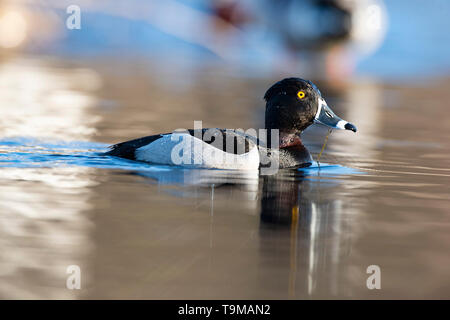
(44, 226)
(212, 234)
(44, 229)
(40, 101)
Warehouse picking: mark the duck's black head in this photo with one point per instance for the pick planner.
(293, 104)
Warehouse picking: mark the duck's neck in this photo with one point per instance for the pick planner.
(292, 151)
(287, 140)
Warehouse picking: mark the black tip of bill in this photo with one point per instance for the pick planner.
(349, 126)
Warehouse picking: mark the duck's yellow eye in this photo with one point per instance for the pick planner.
(300, 94)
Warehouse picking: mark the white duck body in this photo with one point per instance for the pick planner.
(189, 151)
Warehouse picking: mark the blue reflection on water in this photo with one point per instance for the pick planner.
(32, 153)
(329, 170)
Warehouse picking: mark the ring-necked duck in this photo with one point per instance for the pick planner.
(292, 105)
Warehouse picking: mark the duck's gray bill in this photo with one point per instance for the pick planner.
(327, 117)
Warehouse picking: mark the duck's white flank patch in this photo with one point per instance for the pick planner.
(341, 124)
(188, 151)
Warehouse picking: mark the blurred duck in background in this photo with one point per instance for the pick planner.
(315, 36)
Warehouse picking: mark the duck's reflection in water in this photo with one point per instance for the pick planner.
(302, 225)
(303, 234)
(196, 183)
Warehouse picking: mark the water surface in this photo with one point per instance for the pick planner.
(380, 197)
